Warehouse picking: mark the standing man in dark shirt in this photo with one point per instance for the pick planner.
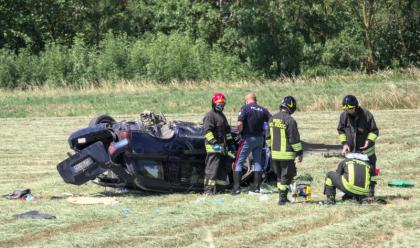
(358, 133)
(250, 124)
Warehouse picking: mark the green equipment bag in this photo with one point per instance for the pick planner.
(400, 183)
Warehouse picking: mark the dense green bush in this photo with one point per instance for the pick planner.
(75, 42)
(159, 58)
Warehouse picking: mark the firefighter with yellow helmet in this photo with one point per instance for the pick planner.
(358, 133)
(284, 140)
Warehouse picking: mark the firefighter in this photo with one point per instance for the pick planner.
(358, 133)
(352, 177)
(250, 124)
(218, 141)
(284, 140)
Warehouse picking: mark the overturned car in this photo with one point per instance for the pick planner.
(151, 154)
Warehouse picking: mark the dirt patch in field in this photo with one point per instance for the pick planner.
(29, 238)
(292, 230)
(172, 241)
(27, 176)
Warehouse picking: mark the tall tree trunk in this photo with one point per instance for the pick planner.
(368, 15)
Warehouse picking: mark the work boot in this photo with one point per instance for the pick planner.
(372, 190)
(330, 200)
(236, 190)
(347, 197)
(283, 197)
(209, 190)
(257, 182)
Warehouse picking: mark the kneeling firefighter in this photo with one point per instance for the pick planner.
(352, 177)
(218, 141)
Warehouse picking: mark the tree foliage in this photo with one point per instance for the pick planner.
(67, 42)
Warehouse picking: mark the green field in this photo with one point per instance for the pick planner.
(384, 90)
(32, 146)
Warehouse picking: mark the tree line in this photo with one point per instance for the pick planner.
(73, 42)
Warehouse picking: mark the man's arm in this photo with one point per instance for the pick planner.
(294, 139)
(240, 126)
(208, 126)
(342, 134)
(373, 129)
(241, 118)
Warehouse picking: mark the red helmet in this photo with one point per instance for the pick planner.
(218, 98)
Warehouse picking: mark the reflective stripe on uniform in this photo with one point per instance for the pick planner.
(283, 155)
(209, 136)
(297, 147)
(209, 182)
(367, 179)
(372, 137)
(351, 172)
(283, 140)
(350, 184)
(279, 142)
(328, 182)
(353, 188)
(281, 186)
(342, 138)
(228, 136)
(370, 151)
(209, 149)
(221, 182)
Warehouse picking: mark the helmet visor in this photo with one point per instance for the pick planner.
(348, 107)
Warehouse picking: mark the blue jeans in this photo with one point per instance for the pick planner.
(252, 144)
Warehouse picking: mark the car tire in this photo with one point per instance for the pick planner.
(101, 119)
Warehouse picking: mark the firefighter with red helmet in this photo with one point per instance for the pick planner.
(358, 133)
(218, 141)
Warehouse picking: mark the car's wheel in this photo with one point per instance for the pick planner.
(101, 119)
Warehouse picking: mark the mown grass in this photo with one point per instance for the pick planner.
(31, 147)
(384, 90)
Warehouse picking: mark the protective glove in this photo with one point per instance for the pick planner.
(217, 148)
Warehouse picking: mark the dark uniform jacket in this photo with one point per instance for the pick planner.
(355, 130)
(284, 138)
(216, 131)
(355, 176)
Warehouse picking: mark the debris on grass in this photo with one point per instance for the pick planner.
(34, 215)
(200, 199)
(125, 211)
(220, 201)
(65, 195)
(21, 194)
(93, 200)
